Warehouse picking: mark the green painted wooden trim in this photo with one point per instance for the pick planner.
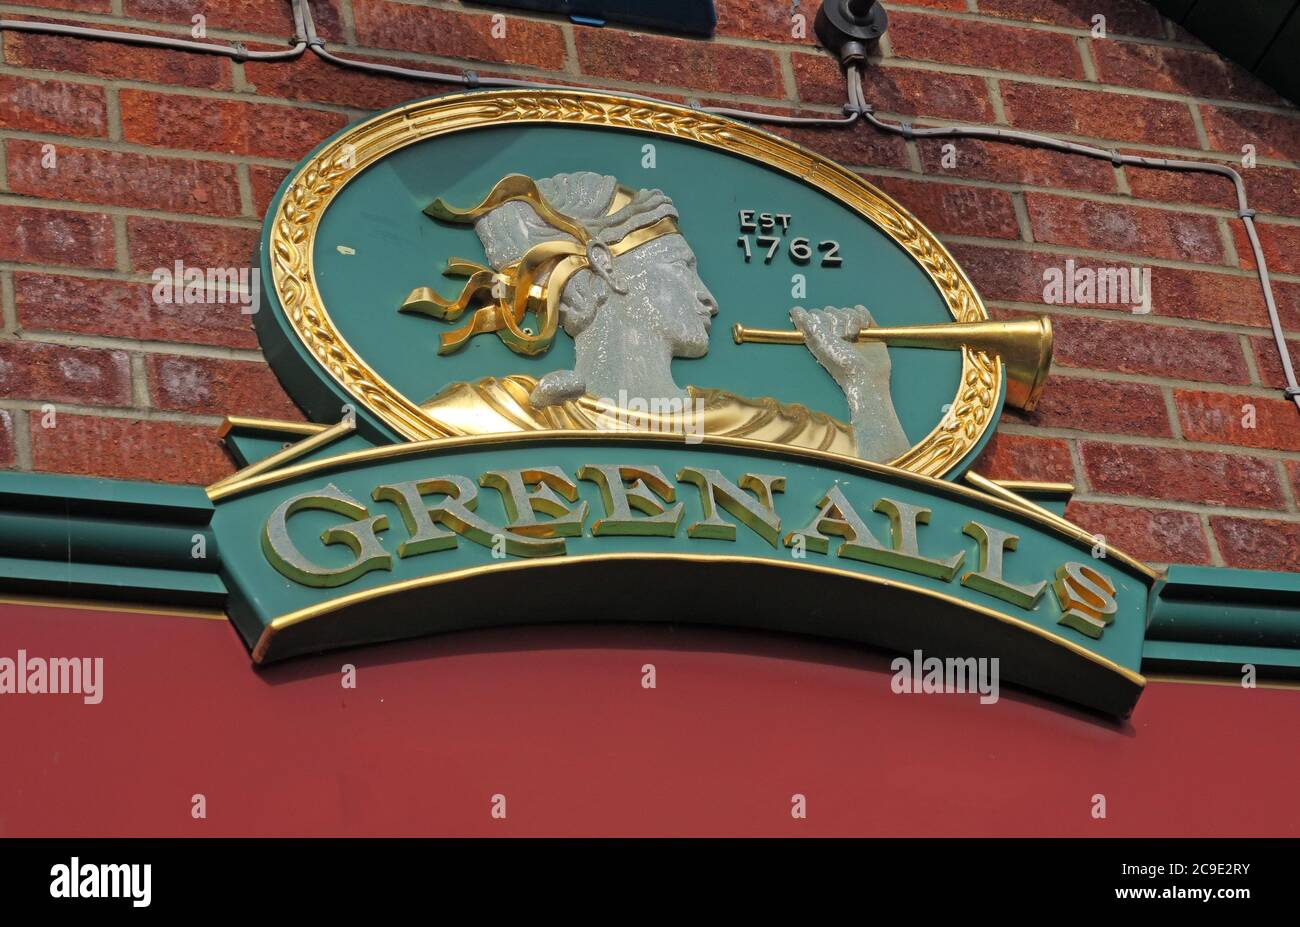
(108, 541)
(118, 583)
(1219, 659)
(125, 540)
(1215, 619)
(92, 496)
(1213, 582)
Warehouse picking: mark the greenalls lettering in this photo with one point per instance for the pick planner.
(639, 500)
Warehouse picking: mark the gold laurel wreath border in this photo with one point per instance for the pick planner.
(319, 180)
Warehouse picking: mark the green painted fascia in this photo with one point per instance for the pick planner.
(1227, 583)
(110, 581)
(1219, 659)
(1214, 617)
(83, 537)
(92, 496)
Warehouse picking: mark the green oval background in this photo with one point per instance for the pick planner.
(390, 247)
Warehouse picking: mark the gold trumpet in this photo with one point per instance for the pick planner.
(1025, 346)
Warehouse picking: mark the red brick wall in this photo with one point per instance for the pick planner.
(163, 156)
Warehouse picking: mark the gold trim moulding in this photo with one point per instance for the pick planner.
(1233, 682)
(307, 614)
(275, 426)
(993, 495)
(318, 439)
(1047, 489)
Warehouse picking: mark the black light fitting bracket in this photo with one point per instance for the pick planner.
(848, 29)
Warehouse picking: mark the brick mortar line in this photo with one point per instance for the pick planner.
(140, 382)
(1193, 154)
(121, 247)
(570, 47)
(994, 93)
(1021, 210)
(785, 67)
(116, 276)
(1285, 482)
(1076, 467)
(142, 277)
(254, 223)
(348, 20)
(8, 307)
(1173, 383)
(913, 159)
(1216, 555)
(1164, 321)
(1223, 227)
(1070, 83)
(1181, 444)
(113, 114)
(123, 147)
(22, 440)
(1122, 185)
(40, 202)
(1171, 413)
(1119, 199)
(148, 414)
(239, 78)
(247, 200)
(1083, 46)
(599, 82)
(1149, 441)
(1193, 508)
(1065, 250)
(1252, 368)
(248, 221)
(1198, 125)
(179, 90)
(139, 345)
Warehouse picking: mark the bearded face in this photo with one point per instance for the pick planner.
(665, 296)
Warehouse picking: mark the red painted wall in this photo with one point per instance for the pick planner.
(556, 719)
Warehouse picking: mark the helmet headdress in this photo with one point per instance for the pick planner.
(537, 235)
